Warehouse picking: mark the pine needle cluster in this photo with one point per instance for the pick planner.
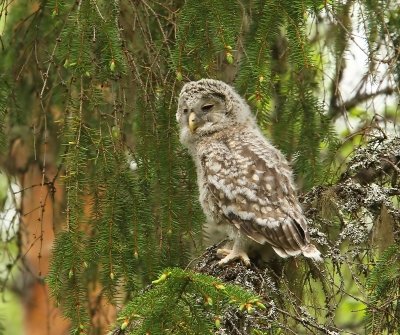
(186, 302)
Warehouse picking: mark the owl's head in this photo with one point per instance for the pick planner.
(208, 106)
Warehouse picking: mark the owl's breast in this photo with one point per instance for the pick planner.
(207, 199)
(211, 156)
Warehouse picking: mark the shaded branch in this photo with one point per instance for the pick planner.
(336, 109)
(359, 98)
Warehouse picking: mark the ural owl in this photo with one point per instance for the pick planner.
(246, 187)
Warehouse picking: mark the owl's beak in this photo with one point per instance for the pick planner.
(193, 122)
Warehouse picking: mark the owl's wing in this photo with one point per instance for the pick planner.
(252, 188)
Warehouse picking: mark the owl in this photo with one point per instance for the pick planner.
(245, 183)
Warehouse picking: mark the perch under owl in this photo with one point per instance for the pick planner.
(246, 185)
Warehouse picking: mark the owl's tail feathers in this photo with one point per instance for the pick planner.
(311, 251)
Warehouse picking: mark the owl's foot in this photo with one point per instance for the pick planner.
(222, 252)
(230, 255)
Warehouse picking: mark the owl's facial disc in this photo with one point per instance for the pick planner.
(205, 114)
(198, 117)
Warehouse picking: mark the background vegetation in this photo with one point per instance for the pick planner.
(108, 196)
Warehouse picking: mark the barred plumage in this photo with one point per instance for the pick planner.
(246, 187)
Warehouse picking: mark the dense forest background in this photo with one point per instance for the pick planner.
(100, 224)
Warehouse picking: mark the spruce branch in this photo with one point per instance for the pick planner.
(201, 294)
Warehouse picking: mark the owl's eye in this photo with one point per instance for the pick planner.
(207, 107)
(185, 111)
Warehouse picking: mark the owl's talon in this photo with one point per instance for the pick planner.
(233, 255)
(223, 252)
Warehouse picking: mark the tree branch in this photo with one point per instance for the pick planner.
(359, 98)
